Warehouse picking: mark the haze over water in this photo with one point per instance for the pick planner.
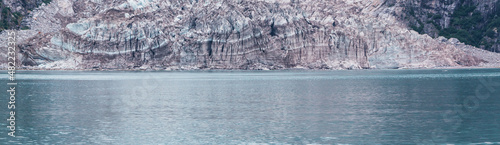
(243, 107)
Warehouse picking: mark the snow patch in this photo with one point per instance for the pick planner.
(139, 4)
(78, 28)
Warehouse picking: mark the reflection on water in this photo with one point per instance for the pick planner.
(240, 107)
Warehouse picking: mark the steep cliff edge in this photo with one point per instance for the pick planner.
(223, 34)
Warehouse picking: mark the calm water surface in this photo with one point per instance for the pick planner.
(246, 107)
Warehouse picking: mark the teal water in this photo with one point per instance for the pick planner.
(252, 107)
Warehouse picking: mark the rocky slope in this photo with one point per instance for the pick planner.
(13, 12)
(226, 34)
(474, 22)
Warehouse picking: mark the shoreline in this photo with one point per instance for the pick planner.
(263, 70)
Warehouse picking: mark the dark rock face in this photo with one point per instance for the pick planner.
(473, 22)
(280, 34)
(13, 12)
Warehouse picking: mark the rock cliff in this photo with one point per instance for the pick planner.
(226, 34)
(13, 12)
(474, 22)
